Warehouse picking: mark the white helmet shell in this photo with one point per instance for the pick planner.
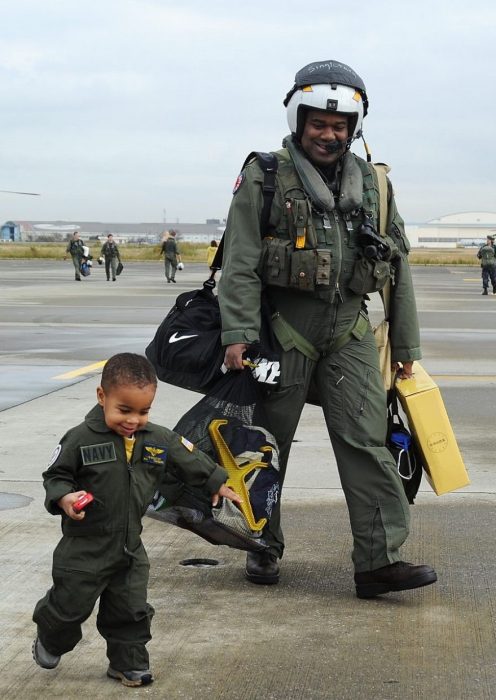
(337, 98)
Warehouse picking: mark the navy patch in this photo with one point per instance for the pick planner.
(98, 454)
(239, 181)
(154, 454)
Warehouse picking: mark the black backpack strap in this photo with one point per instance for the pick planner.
(268, 164)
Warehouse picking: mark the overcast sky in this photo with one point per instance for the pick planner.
(144, 110)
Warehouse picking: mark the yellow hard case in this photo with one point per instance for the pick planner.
(422, 402)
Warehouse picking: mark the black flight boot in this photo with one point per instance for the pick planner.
(262, 567)
(400, 576)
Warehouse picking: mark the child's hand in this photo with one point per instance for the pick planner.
(65, 503)
(226, 492)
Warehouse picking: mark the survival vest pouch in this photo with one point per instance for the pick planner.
(186, 350)
(402, 446)
(487, 255)
(227, 424)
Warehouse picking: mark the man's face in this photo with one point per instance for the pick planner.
(322, 128)
(126, 407)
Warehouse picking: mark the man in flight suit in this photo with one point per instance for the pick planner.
(317, 262)
(112, 256)
(75, 250)
(487, 256)
(172, 256)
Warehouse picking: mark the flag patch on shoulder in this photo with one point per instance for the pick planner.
(187, 444)
(239, 181)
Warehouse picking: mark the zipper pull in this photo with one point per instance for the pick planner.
(338, 292)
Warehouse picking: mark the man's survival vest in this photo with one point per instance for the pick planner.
(375, 205)
(487, 255)
(76, 247)
(170, 246)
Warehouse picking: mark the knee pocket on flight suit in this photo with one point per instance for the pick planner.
(69, 602)
(356, 399)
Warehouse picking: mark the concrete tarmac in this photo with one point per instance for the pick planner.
(217, 636)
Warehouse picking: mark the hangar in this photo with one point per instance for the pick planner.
(464, 229)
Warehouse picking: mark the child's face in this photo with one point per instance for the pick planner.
(126, 407)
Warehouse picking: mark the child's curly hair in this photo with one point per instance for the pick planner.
(128, 368)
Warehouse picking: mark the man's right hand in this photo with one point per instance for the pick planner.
(233, 359)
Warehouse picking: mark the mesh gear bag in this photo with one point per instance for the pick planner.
(228, 424)
(402, 446)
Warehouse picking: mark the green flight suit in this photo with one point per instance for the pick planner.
(170, 250)
(347, 379)
(112, 256)
(75, 250)
(102, 556)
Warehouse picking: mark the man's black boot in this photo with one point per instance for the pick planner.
(262, 567)
(484, 291)
(400, 576)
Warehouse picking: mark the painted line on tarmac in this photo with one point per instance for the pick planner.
(88, 369)
(464, 377)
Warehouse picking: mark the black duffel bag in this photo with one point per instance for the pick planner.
(187, 351)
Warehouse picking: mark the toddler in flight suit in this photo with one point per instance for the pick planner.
(120, 458)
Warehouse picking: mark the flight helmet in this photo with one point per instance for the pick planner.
(330, 86)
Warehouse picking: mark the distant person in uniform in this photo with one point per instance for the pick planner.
(75, 250)
(110, 252)
(120, 458)
(172, 256)
(487, 256)
(211, 251)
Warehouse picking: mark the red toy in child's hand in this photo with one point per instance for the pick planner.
(82, 501)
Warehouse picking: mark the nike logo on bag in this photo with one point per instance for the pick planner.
(175, 337)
